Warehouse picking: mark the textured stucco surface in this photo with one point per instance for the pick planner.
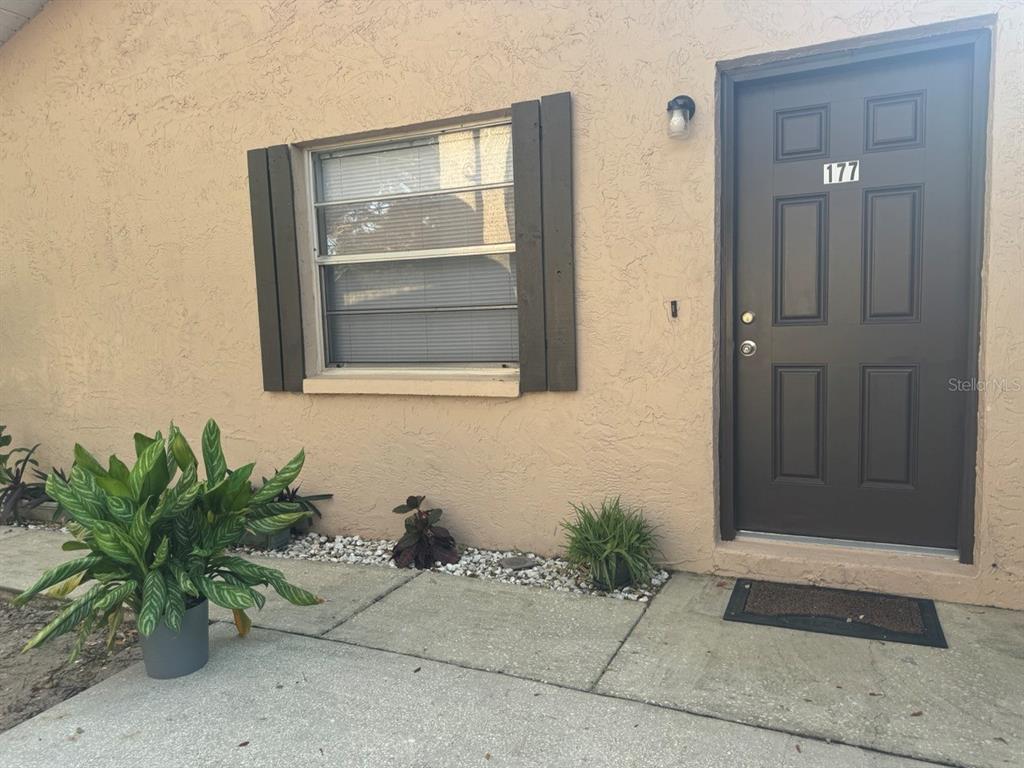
(127, 294)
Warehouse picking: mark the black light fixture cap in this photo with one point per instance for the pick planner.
(684, 103)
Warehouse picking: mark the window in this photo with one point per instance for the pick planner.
(415, 250)
(413, 264)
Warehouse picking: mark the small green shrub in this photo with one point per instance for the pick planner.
(614, 543)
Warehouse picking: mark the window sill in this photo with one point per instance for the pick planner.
(463, 382)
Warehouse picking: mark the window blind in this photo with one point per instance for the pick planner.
(458, 309)
(398, 225)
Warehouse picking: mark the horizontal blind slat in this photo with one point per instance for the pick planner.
(421, 283)
(460, 159)
(447, 220)
(477, 336)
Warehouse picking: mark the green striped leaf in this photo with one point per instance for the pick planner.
(154, 598)
(184, 580)
(113, 624)
(275, 508)
(281, 480)
(172, 463)
(180, 497)
(251, 572)
(61, 492)
(113, 541)
(70, 546)
(115, 487)
(67, 619)
(187, 493)
(213, 454)
(88, 462)
(236, 489)
(160, 556)
(164, 506)
(116, 595)
(181, 450)
(149, 475)
(143, 441)
(57, 575)
(83, 633)
(275, 523)
(83, 485)
(174, 610)
(223, 533)
(293, 594)
(258, 599)
(121, 508)
(226, 595)
(139, 531)
(66, 587)
(118, 469)
(186, 527)
(114, 574)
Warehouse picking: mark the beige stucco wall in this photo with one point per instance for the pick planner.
(127, 294)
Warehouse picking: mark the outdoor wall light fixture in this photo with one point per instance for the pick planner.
(680, 113)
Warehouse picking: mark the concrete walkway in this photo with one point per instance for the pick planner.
(407, 669)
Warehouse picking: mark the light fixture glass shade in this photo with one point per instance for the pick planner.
(678, 124)
(681, 110)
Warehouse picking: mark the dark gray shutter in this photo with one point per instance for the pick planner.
(545, 267)
(533, 371)
(272, 204)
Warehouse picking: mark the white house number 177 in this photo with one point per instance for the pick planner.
(840, 173)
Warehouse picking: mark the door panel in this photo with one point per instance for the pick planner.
(846, 425)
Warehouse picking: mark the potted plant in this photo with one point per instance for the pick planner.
(615, 544)
(156, 547)
(18, 496)
(309, 503)
(424, 542)
(280, 539)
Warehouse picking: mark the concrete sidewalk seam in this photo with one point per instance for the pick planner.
(645, 702)
(370, 604)
(611, 658)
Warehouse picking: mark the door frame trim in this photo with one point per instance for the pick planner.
(975, 32)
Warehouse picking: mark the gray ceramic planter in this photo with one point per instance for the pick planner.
(268, 541)
(167, 654)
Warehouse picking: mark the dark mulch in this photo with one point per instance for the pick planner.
(36, 680)
(836, 611)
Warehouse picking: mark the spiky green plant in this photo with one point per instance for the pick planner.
(606, 540)
(156, 547)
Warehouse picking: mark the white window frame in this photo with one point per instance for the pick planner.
(313, 311)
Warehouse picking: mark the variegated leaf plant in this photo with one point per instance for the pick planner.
(156, 546)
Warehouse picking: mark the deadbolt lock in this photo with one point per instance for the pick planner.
(748, 348)
(747, 318)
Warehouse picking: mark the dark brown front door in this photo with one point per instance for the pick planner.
(849, 415)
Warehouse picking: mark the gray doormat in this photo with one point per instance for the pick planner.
(836, 612)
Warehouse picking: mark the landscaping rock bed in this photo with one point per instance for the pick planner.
(550, 572)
